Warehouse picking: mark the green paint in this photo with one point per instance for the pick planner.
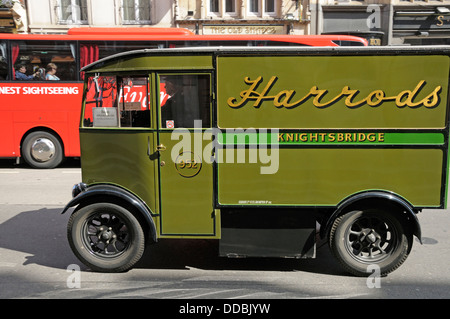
(330, 115)
(287, 79)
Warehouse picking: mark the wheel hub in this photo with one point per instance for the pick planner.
(106, 234)
(369, 237)
(43, 149)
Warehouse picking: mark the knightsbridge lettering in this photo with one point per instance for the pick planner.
(341, 137)
(288, 98)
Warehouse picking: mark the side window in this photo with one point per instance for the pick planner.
(3, 62)
(136, 12)
(44, 60)
(93, 51)
(112, 101)
(72, 11)
(184, 99)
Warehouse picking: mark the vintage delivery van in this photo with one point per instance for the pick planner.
(255, 147)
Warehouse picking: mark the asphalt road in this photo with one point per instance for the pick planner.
(36, 260)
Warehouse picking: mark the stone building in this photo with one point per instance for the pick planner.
(242, 16)
(201, 16)
(382, 22)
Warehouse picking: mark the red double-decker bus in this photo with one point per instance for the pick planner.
(39, 117)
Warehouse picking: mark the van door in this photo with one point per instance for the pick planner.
(186, 178)
(118, 134)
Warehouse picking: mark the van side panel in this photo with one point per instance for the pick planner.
(316, 177)
(343, 125)
(324, 92)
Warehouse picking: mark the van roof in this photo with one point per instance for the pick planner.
(274, 50)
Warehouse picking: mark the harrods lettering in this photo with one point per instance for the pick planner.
(320, 98)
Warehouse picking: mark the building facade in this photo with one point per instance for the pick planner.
(57, 16)
(13, 16)
(242, 16)
(200, 16)
(382, 22)
(420, 22)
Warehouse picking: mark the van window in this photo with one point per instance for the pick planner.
(185, 98)
(117, 102)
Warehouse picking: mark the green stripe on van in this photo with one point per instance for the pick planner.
(250, 137)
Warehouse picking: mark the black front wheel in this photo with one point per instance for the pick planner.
(359, 239)
(106, 237)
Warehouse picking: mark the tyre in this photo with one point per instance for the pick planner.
(42, 150)
(359, 239)
(106, 237)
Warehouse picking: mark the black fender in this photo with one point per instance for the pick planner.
(378, 199)
(83, 194)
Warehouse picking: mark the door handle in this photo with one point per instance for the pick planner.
(160, 148)
(154, 155)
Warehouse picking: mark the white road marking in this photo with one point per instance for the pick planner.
(7, 264)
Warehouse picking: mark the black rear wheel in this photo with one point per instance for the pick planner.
(359, 239)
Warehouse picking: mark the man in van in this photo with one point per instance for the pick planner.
(173, 110)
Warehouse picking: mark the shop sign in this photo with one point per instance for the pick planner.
(222, 29)
(418, 21)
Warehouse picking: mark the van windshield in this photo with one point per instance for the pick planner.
(112, 101)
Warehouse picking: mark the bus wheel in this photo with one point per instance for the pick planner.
(42, 150)
(362, 240)
(106, 237)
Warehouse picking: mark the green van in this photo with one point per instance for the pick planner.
(260, 148)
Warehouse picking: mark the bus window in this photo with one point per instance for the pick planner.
(261, 43)
(346, 43)
(185, 99)
(93, 51)
(180, 44)
(3, 62)
(38, 54)
(116, 102)
(242, 43)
